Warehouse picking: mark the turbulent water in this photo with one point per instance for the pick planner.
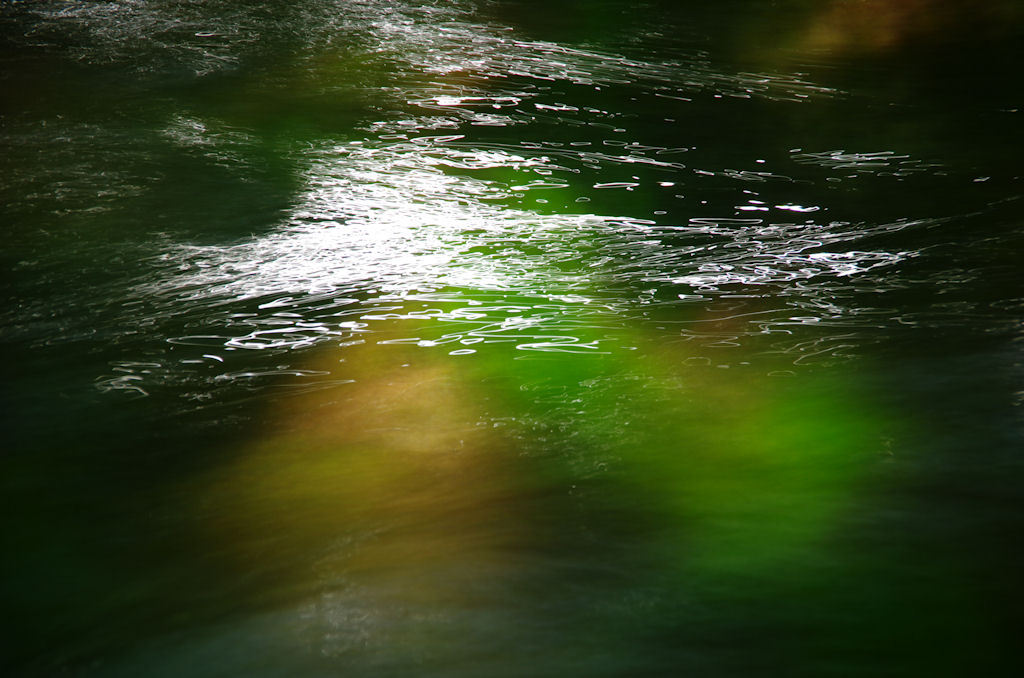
(412, 338)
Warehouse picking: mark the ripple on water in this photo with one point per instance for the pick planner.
(429, 197)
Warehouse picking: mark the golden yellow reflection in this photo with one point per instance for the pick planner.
(864, 26)
(407, 481)
(395, 479)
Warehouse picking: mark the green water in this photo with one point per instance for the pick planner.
(408, 338)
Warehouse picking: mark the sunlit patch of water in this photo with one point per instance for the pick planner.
(421, 202)
(391, 230)
(207, 38)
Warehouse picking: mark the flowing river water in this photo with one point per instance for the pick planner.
(502, 338)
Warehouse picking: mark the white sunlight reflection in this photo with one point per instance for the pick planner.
(392, 225)
(385, 232)
(387, 216)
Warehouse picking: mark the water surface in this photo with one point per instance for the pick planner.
(484, 338)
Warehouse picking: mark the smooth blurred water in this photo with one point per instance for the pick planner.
(409, 338)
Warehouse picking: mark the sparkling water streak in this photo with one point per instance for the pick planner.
(425, 203)
(405, 213)
(441, 39)
(390, 223)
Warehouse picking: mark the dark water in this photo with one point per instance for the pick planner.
(398, 338)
